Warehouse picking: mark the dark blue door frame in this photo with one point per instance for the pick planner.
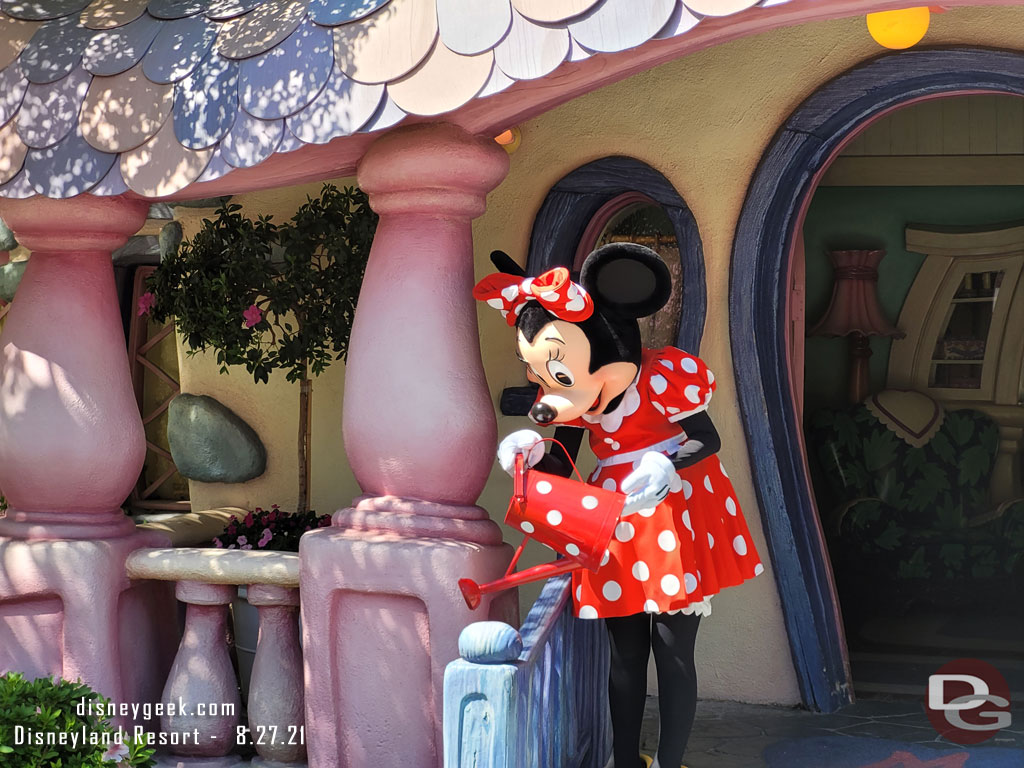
(758, 296)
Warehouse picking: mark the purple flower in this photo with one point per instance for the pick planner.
(218, 543)
(246, 546)
(146, 303)
(252, 316)
(241, 542)
(265, 538)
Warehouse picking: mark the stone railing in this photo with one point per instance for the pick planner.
(202, 676)
(533, 698)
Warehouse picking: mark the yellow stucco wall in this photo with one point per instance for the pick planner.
(704, 122)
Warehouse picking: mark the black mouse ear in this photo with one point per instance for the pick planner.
(627, 279)
(506, 264)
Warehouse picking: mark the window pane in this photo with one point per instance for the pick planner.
(648, 224)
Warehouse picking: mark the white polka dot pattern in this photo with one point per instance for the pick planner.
(554, 518)
(758, 569)
(670, 585)
(572, 549)
(653, 563)
(526, 526)
(667, 540)
(589, 502)
(624, 531)
(588, 612)
(611, 591)
(544, 487)
(692, 393)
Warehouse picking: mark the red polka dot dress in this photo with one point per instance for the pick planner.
(676, 555)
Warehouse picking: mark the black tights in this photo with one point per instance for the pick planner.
(632, 639)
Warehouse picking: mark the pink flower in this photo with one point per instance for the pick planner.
(248, 520)
(116, 752)
(241, 542)
(247, 546)
(146, 303)
(265, 538)
(218, 543)
(252, 316)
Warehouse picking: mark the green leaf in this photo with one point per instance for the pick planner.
(890, 537)
(975, 464)
(913, 462)
(879, 450)
(943, 447)
(960, 426)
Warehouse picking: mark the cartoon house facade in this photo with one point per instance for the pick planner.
(709, 122)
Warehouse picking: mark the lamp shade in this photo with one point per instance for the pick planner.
(854, 307)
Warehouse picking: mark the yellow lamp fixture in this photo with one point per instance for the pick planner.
(899, 29)
(510, 139)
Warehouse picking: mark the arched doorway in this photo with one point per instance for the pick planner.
(759, 292)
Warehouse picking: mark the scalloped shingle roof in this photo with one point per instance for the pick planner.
(103, 96)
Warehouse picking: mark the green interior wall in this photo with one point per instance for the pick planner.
(877, 217)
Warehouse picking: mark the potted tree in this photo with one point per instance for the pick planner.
(268, 297)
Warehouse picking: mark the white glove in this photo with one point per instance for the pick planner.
(649, 483)
(525, 441)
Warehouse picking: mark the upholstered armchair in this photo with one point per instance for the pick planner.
(903, 491)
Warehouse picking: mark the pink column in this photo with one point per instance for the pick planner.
(71, 448)
(380, 603)
(276, 711)
(203, 680)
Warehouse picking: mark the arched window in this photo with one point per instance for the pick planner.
(633, 217)
(622, 199)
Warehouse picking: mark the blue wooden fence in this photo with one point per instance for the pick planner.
(536, 698)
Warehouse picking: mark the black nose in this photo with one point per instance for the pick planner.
(542, 413)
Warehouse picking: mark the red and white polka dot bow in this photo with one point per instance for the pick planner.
(553, 290)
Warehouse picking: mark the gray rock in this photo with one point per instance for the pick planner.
(8, 242)
(10, 276)
(211, 443)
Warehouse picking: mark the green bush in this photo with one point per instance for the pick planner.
(44, 724)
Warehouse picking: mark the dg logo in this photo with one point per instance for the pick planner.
(968, 701)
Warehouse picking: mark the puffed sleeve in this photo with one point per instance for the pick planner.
(680, 384)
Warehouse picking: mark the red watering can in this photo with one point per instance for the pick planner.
(570, 517)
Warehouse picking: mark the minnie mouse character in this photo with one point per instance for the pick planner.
(681, 537)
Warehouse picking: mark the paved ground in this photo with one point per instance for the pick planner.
(732, 735)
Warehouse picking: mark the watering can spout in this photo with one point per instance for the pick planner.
(472, 591)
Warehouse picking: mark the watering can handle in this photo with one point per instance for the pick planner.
(519, 479)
